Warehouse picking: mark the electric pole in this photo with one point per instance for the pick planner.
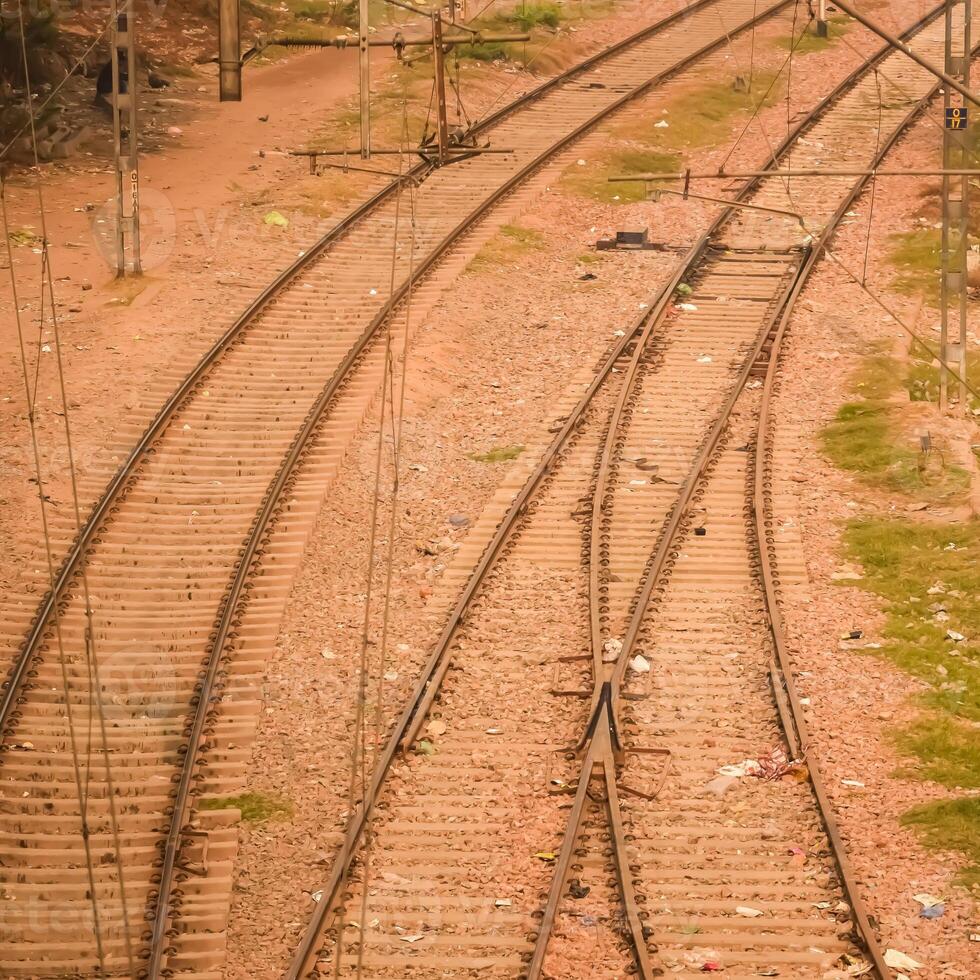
(955, 207)
(122, 43)
(229, 52)
(439, 69)
(821, 25)
(364, 68)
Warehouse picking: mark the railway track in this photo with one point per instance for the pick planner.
(566, 816)
(143, 660)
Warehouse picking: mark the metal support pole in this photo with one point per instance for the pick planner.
(821, 24)
(439, 68)
(955, 209)
(364, 68)
(122, 46)
(229, 52)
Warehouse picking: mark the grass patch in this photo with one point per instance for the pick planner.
(951, 825)
(865, 439)
(592, 181)
(255, 807)
(811, 42)
(928, 576)
(902, 561)
(915, 254)
(704, 115)
(502, 454)
(922, 381)
(508, 245)
(531, 15)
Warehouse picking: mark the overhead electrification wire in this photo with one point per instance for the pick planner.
(397, 416)
(92, 660)
(359, 746)
(874, 182)
(66, 685)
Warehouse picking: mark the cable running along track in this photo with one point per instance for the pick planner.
(570, 822)
(183, 575)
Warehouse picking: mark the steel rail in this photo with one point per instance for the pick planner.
(791, 712)
(117, 487)
(204, 693)
(413, 715)
(603, 715)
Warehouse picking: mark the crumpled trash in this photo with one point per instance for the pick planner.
(954, 636)
(611, 649)
(640, 665)
(276, 220)
(898, 960)
(932, 907)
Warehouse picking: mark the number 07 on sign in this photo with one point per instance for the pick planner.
(957, 117)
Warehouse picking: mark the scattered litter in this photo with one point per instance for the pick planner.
(710, 966)
(687, 307)
(663, 124)
(640, 665)
(704, 359)
(174, 131)
(770, 972)
(581, 163)
(391, 675)
(750, 767)
(275, 219)
(937, 589)
(720, 785)
(932, 907)
(316, 896)
(426, 747)
(853, 635)
(797, 857)
(856, 783)
(954, 636)
(412, 939)
(611, 649)
(436, 727)
(502, 903)
(577, 890)
(619, 333)
(547, 856)
(700, 532)
(587, 277)
(748, 912)
(46, 349)
(899, 961)
(495, 731)
(418, 467)
(776, 764)
(684, 289)
(328, 654)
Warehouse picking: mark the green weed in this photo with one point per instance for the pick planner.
(255, 807)
(511, 242)
(951, 825)
(704, 116)
(809, 41)
(592, 180)
(928, 576)
(865, 438)
(502, 454)
(530, 15)
(915, 254)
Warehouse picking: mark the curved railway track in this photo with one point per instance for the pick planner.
(145, 656)
(570, 821)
